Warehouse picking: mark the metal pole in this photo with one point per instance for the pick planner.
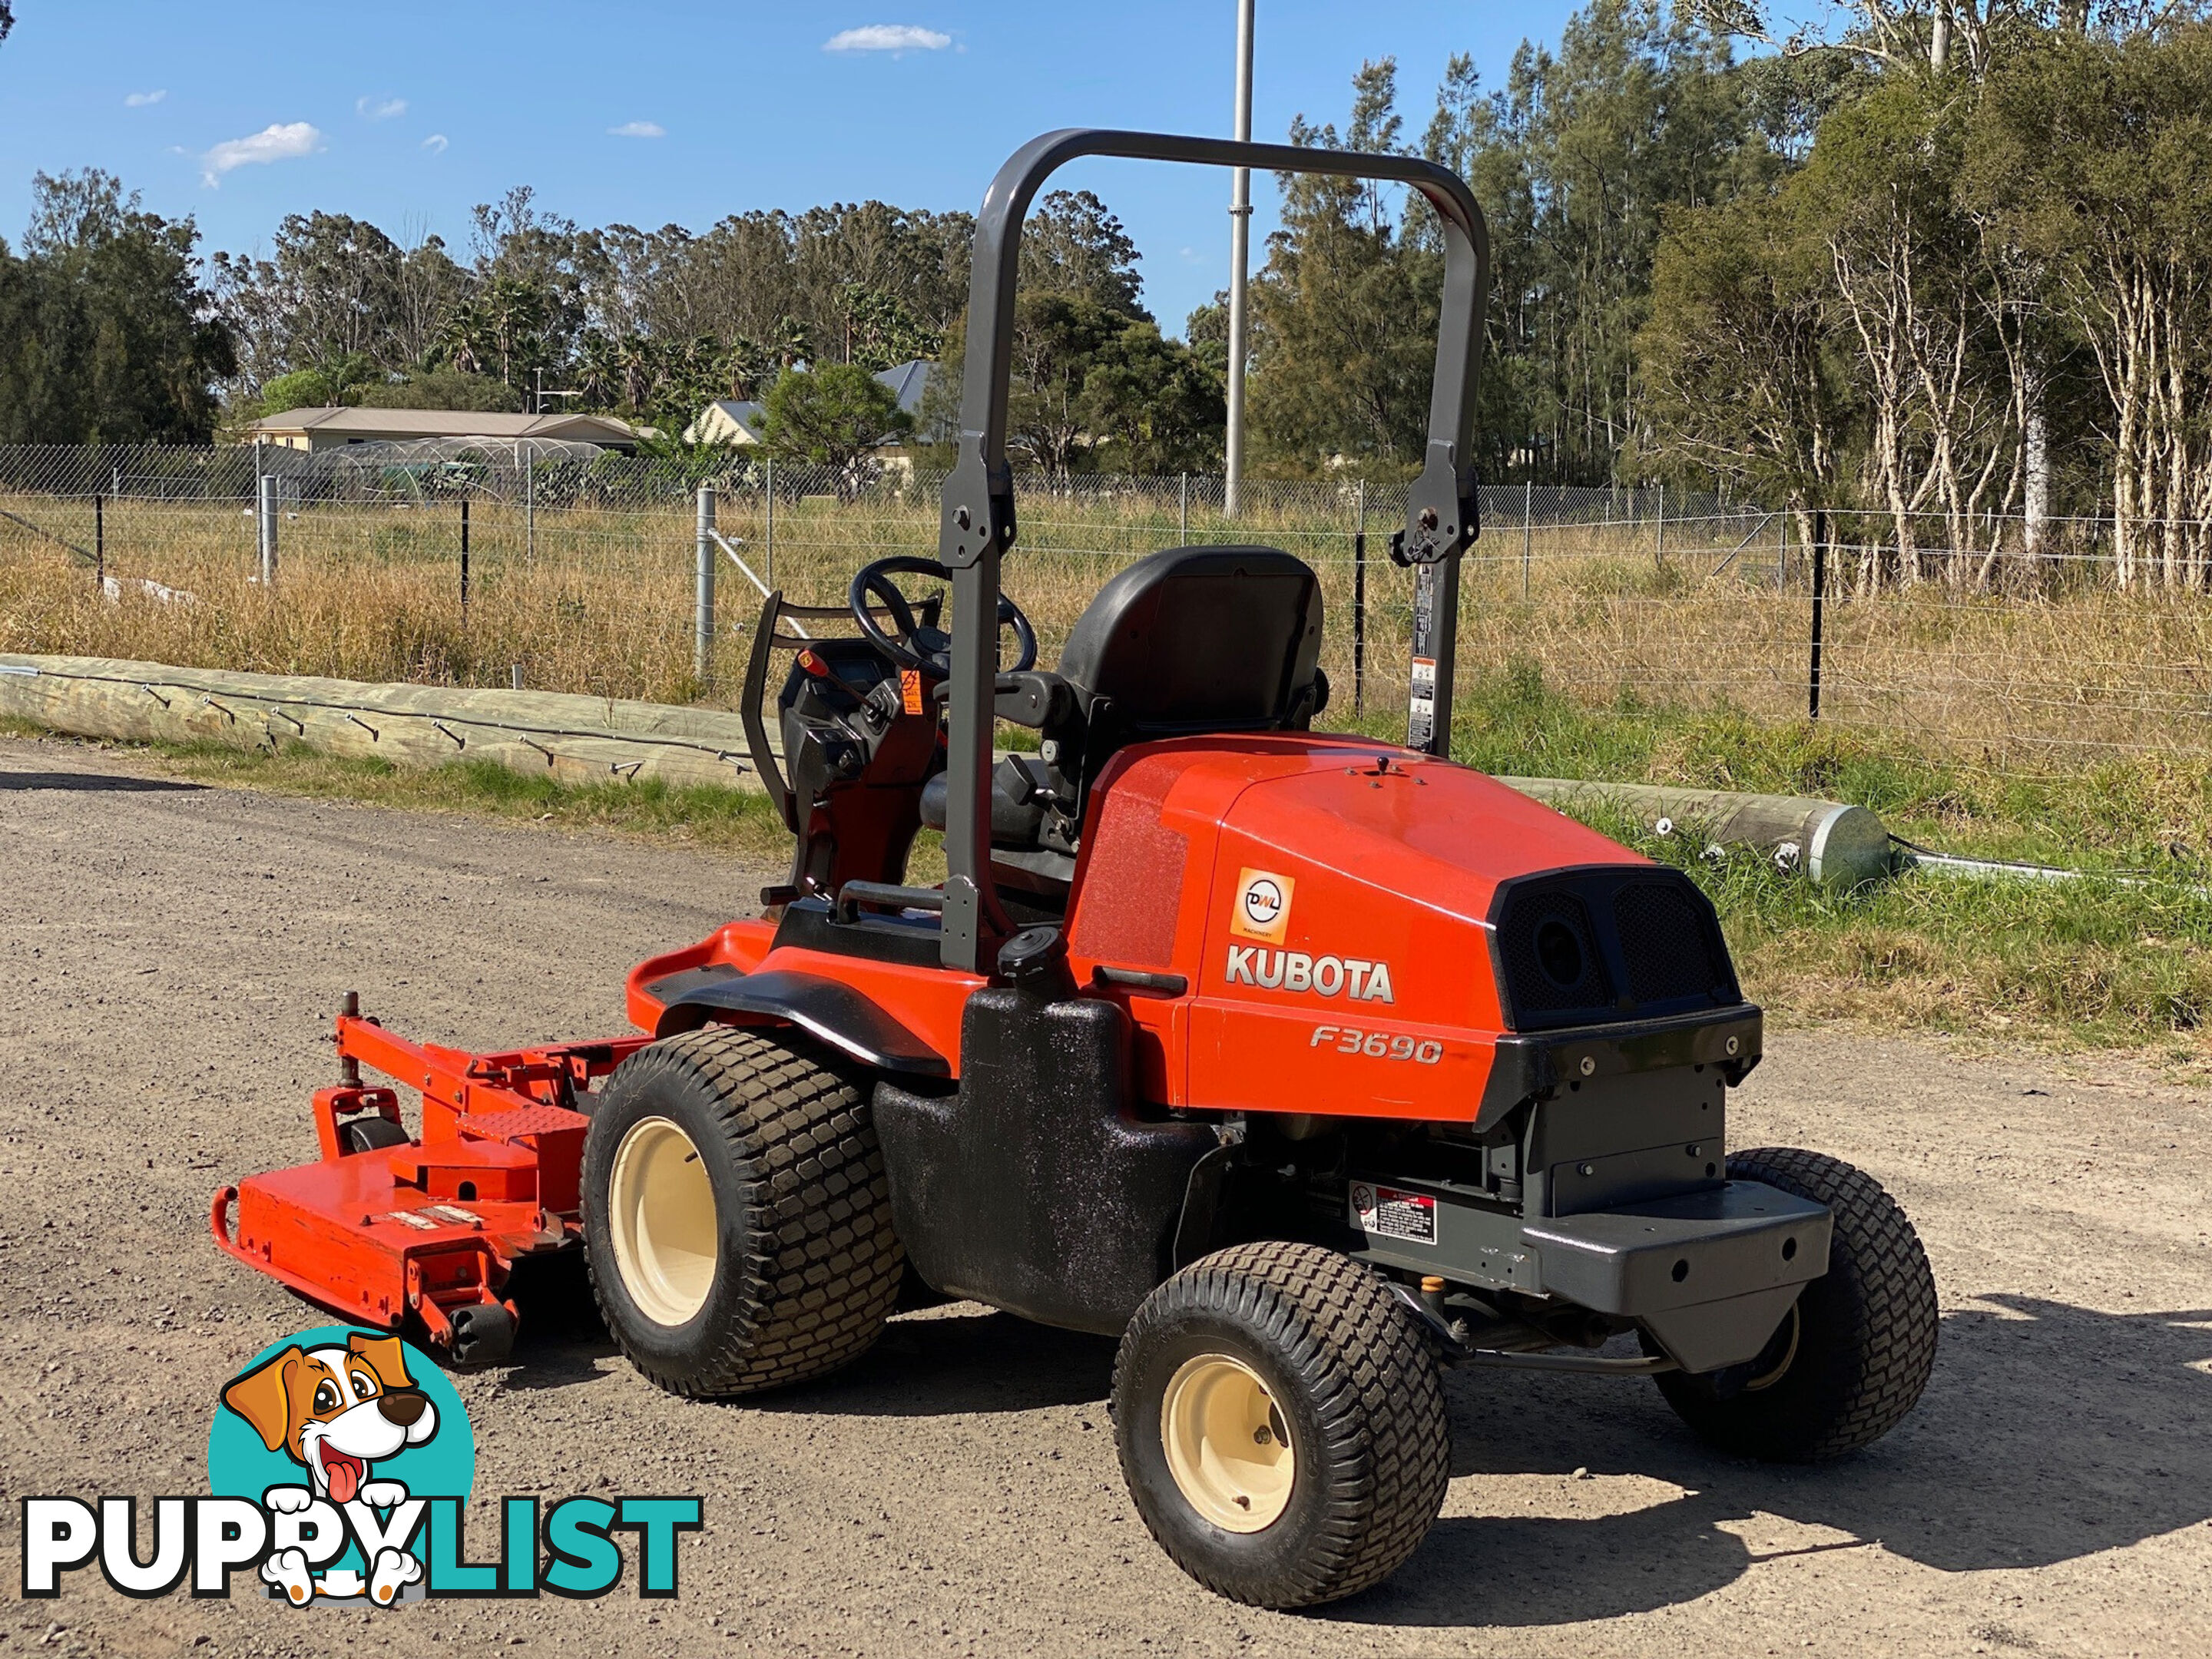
(529, 505)
(268, 528)
(1659, 537)
(1527, 531)
(1240, 248)
(771, 522)
(1182, 511)
(1820, 592)
(465, 553)
(1360, 608)
(99, 543)
(702, 627)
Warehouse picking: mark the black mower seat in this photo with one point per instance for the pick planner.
(1194, 639)
(1202, 639)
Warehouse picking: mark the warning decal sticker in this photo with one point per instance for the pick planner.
(1388, 1213)
(1421, 720)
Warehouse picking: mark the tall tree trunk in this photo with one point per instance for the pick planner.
(2035, 442)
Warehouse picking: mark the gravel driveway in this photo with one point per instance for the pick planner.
(173, 954)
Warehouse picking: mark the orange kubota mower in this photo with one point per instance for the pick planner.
(1305, 1065)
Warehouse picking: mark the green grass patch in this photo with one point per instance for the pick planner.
(2094, 962)
(2138, 815)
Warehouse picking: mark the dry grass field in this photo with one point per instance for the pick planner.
(601, 601)
(2072, 727)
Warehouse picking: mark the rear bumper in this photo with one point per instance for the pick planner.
(1708, 1273)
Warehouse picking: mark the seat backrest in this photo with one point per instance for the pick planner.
(1202, 639)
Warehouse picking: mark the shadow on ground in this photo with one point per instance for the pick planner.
(98, 782)
(948, 1361)
(2049, 1432)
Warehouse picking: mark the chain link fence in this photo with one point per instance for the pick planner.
(460, 561)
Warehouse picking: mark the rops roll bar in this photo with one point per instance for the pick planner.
(978, 522)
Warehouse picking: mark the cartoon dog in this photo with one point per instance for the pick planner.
(335, 1411)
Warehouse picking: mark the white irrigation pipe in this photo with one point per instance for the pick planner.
(1913, 856)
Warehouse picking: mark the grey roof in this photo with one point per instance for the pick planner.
(746, 414)
(908, 380)
(449, 423)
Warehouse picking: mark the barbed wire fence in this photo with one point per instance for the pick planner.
(2022, 646)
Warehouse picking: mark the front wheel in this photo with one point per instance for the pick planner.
(1850, 1358)
(1280, 1420)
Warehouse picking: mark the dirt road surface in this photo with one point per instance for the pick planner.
(171, 955)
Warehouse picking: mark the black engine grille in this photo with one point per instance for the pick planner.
(1552, 958)
(1568, 942)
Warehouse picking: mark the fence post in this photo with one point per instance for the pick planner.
(529, 505)
(702, 630)
(465, 553)
(1184, 510)
(267, 538)
(100, 544)
(1820, 592)
(1528, 531)
(1659, 534)
(1358, 603)
(771, 522)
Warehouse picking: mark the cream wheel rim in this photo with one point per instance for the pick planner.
(661, 1222)
(1780, 1368)
(1228, 1446)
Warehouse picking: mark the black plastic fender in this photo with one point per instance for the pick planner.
(1035, 1186)
(824, 1008)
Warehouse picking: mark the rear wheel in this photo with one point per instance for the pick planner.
(1280, 1420)
(736, 1222)
(1850, 1358)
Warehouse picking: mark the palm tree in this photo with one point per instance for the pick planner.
(637, 358)
(467, 337)
(516, 311)
(599, 369)
(744, 366)
(790, 347)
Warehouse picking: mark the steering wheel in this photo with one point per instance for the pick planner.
(918, 645)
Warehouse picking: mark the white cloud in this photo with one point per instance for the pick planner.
(140, 100)
(894, 37)
(436, 142)
(380, 109)
(280, 143)
(639, 130)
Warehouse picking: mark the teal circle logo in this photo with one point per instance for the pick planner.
(338, 1418)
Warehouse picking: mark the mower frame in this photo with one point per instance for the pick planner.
(978, 523)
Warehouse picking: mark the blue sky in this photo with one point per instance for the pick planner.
(405, 113)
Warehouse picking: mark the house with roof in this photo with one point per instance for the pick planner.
(728, 420)
(316, 430)
(737, 422)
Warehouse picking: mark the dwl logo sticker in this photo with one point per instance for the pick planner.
(340, 1464)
